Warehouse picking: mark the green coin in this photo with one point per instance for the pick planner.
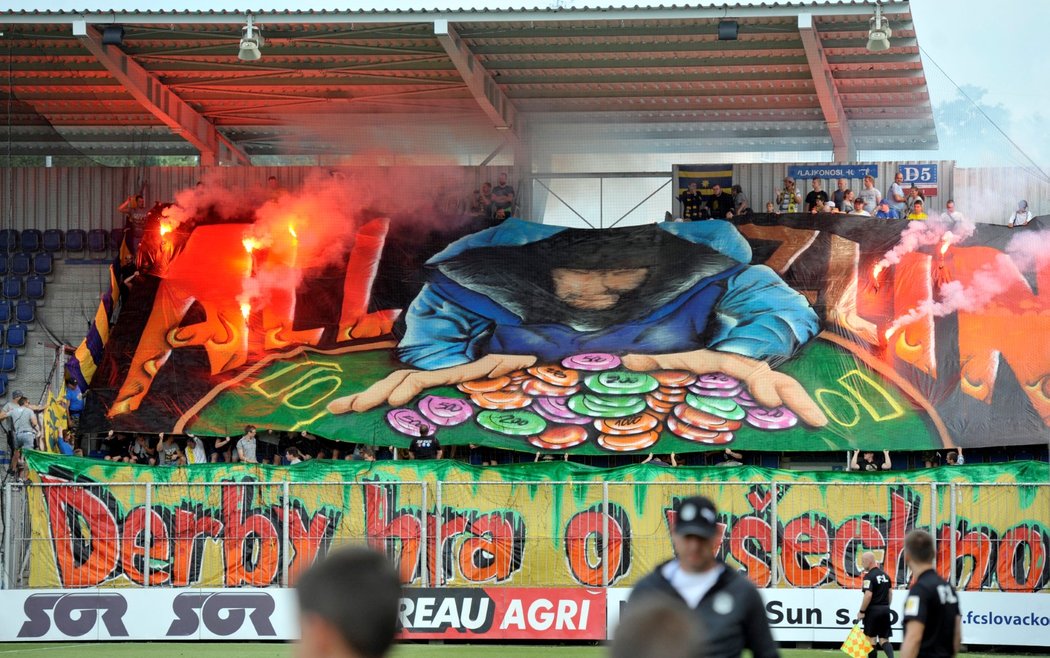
(583, 405)
(722, 407)
(512, 422)
(601, 401)
(621, 382)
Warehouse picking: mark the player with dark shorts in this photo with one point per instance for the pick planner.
(932, 621)
(875, 606)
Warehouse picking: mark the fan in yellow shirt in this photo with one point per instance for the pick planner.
(917, 211)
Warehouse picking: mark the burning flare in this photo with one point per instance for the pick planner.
(946, 241)
(246, 310)
(165, 228)
(250, 244)
(291, 231)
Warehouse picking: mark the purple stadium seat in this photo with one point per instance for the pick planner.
(76, 240)
(25, 311)
(96, 240)
(52, 240)
(20, 264)
(31, 240)
(35, 286)
(13, 287)
(5, 311)
(8, 240)
(8, 360)
(3, 264)
(43, 263)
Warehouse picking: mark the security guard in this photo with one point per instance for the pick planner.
(875, 606)
(932, 622)
(724, 602)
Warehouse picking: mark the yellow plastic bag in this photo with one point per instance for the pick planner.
(857, 644)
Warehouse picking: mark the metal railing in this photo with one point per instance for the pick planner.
(489, 533)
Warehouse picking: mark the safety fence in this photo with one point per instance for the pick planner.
(490, 534)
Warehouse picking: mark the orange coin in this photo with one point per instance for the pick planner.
(658, 405)
(630, 442)
(484, 385)
(690, 433)
(704, 421)
(501, 400)
(675, 378)
(560, 437)
(676, 395)
(556, 375)
(636, 424)
(541, 387)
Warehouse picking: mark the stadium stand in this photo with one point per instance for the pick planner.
(35, 286)
(13, 287)
(52, 240)
(32, 240)
(97, 240)
(76, 240)
(43, 263)
(20, 264)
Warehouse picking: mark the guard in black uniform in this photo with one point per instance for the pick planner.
(932, 622)
(875, 607)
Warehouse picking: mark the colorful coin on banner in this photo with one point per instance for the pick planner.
(505, 399)
(621, 382)
(690, 433)
(538, 387)
(514, 423)
(445, 411)
(771, 419)
(717, 380)
(555, 375)
(629, 442)
(586, 406)
(484, 385)
(557, 411)
(744, 399)
(406, 421)
(722, 407)
(559, 437)
(628, 424)
(592, 361)
(704, 420)
(673, 378)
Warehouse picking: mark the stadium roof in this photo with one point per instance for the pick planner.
(644, 79)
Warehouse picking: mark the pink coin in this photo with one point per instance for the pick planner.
(717, 380)
(406, 421)
(592, 361)
(445, 411)
(717, 392)
(744, 399)
(554, 410)
(771, 419)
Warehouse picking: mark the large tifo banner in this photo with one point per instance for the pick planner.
(795, 332)
(558, 524)
(470, 615)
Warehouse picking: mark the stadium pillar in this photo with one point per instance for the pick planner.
(827, 92)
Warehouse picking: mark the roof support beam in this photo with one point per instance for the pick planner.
(160, 101)
(480, 82)
(827, 92)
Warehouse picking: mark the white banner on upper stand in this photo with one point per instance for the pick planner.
(826, 615)
(796, 615)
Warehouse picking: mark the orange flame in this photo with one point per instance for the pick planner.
(889, 332)
(291, 230)
(165, 229)
(877, 270)
(246, 310)
(944, 247)
(250, 244)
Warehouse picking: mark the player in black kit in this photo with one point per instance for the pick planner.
(875, 607)
(932, 622)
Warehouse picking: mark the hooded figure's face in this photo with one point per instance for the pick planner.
(595, 290)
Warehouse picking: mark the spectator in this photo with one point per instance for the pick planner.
(818, 207)
(273, 188)
(788, 199)
(868, 463)
(951, 213)
(502, 198)
(692, 203)
(656, 461)
(730, 458)
(914, 194)
(896, 196)
(858, 208)
(931, 460)
(917, 212)
(1021, 216)
(115, 447)
(720, 203)
(134, 210)
(293, 456)
(222, 449)
(195, 452)
(26, 428)
(426, 445)
(74, 401)
(830, 208)
(246, 446)
(771, 209)
(885, 211)
(168, 453)
(839, 195)
(363, 454)
(955, 458)
(869, 195)
(141, 452)
(816, 195)
(741, 204)
(484, 200)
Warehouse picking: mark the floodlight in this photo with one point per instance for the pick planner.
(880, 33)
(113, 35)
(251, 42)
(728, 30)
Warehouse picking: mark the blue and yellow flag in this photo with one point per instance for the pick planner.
(705, 177)
(55, 421)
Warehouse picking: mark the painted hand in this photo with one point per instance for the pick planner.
(768, 387)
(400, 386)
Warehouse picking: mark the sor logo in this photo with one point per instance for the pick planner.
(222, 613)
(73, 614)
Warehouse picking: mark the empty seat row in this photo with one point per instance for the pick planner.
(32, 287)
(23, 310)
(21, 263)
(53, 240)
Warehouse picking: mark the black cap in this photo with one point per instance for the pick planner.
(697, 516)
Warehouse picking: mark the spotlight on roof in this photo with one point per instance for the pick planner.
(880, 33)
(251, 41)
(113, 35)
(728, 30)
